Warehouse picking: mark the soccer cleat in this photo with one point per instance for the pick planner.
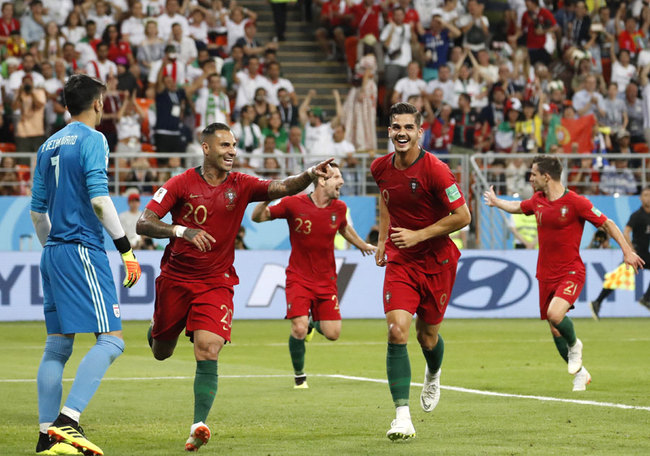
(300, 382)
(430, 390)
(581, 380)
(199, 436)
(401, 429)
(73, 435)
(645, 303)
(311, 330)
(59, 448)
(575, 357)
(149, 336)
(594, 306)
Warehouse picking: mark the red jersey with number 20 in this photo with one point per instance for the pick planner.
(559, 227)
(417, 197)
(217, 210)
(311, 231)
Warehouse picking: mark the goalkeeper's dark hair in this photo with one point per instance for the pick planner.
(549, 164)
(405, 108)
(80, 92)
(211, 129)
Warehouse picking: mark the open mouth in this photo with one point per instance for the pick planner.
(229, 160)
(402, 140)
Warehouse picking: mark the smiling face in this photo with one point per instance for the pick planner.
(404, 133)
(219, 150)
(332, 186)
(538, 180)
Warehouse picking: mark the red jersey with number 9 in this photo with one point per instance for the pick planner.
(217, 210)
(311, 231)
(560, 224)
(417, 197)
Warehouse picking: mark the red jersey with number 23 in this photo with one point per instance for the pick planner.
(417, 197)
(217, 210)
(311, 231)
(560, 224)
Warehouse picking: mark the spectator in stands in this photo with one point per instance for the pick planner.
(102, 67)
(629, 37)
(622, 69)
(396, 37)
(16, 78)
(249, 81)
(331, 34)
(444, 83)
(129, 121)
(170, 105)
(296, 150)
(112, 105)
(231, 66)
(267, 161)
(10, 184)
(152, 48)
(577, 33)
(72, 29)
(248, 134)
(262, 107)
(589, 100)
(436, 43)
(483, 70)
(634, 108)
(276, 82)
(88, 44)
(440, 135)
(412, 84)
(475, 27)
(617, 178)
(343, 152)
(8, 23)
(366, 18)
(466, 83)
(185, 46)
(279, 9)
(275, 128)
(169, 17)
(360, 108)
(517, 172)
(51, 46)
(199, 27)
(128, 219)
(141, 176)
(251, 44)
(33, 23)
(537, 25)
(212, 104)
(169, 65)
(287, 109)
(132, 27)
(30, 128)
(102, 16)
(465, 120)
(615, 113)
(582, 177)
(318, 133)
(117, 46)
(153, 8)
(235, 24)
(52, 87)
(16, 46)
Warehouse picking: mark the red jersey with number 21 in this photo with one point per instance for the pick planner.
(417, 197)
(217, 210)
(311, 231)
(560, 224)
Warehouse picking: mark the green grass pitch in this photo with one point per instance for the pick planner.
(145, 407)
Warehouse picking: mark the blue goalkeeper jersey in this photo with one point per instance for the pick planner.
(71, 168)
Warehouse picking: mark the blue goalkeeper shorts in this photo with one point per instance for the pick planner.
(78, 290)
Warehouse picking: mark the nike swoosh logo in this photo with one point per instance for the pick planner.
(194, 196)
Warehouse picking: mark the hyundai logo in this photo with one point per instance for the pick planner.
(487, 283)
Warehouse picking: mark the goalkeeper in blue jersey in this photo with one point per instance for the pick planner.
(70, 204)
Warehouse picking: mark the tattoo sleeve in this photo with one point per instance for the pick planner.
(150, 225)
(289, 186)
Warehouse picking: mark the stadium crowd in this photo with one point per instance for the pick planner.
(522, 76)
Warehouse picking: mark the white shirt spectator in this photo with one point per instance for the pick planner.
(186, 49)
(425, 9)
(73, 34)
(247, 88)
(582, 97)
(58, 10)
(165, 23)
(153, 8)
(472, 88)
(199, 31)
(211, 108)
(101, 21)
(258, 162)
(407, 87)
(178, 68)
(129, 127)
(340, 150)
(272, 92)
(622, 75)
(86, 53)
(401, 40)
(235, 31)
(16, 80)
(134, 28)
(318, 142)
(248, 137)
(448, 89)
(100, 70)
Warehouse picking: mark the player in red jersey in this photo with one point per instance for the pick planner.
(561, 216)
(195, 287)
(420, 205)
(313, 220)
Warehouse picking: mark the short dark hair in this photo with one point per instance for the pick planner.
(81, 91)
(405, 108)
(212, 129)
(549, 164)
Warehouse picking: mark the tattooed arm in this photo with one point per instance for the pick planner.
(150, 225)
(294, 184)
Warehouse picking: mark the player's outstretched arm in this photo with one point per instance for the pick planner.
(294, 184)
(384, 220)
(491, 200)
(350, 235)
(629, 255)
(150, 225)
(261, 213)
(107, 215)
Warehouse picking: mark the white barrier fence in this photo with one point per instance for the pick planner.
(489, 284)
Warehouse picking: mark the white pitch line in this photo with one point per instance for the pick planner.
(371, 380)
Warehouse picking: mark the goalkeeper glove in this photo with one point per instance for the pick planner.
(131, 268)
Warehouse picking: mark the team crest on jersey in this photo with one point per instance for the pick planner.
(333, 219)
(414, 185)
(564, 211)
(230, 196)
(116, 310)
(387, 296)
